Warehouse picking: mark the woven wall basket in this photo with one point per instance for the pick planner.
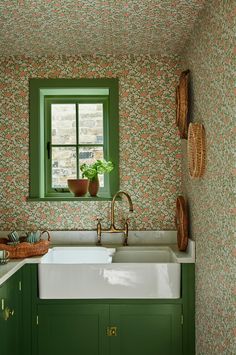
(196, 150)
(181, 223)
(177, 106)
(182, 104)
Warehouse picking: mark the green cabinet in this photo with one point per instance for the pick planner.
(94, 327)
(108, 329)
(72, 329)
(154, 329)
(10, 317)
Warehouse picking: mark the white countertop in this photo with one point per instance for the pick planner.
(13, 266)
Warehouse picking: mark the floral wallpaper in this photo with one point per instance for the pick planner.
(210, 57)
(150, 148)
(150, 158)
(69, 27)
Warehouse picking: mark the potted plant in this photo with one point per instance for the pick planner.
(78, 187)
(91, 172)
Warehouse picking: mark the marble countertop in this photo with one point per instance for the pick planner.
(9, 269)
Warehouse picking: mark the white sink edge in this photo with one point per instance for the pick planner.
(103, 255)
(180, 257)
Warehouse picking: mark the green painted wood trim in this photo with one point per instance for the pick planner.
(11, 330)
(74, 83)
(113, 136)
(34, 140)
(37, 161)
(34, 294)
(77, 139)
(62, 198)
(76, 100)
(111, 301)
(76, 91)
(82, 325)
(134, 313)
(26, 333)
(188, 295)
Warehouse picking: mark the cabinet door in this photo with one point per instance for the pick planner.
(146, 329)
(72, 329)
(3, 328)
(10, 320)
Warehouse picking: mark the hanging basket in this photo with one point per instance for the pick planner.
(182, 104)
(24, 249)
(181, 223)
(196, 150)
(177, 106)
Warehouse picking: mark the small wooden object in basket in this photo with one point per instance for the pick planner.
(181, 222)
(196, 150)
(24, 249)
(182, 104)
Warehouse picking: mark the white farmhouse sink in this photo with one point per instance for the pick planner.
(108, 273)
(78, 255)
(144, 255)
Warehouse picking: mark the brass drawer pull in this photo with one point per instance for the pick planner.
(111, 331)
(7, 313)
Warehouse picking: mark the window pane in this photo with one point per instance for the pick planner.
(89, 155)
(63, 123)
(91, 123)
(63, 166)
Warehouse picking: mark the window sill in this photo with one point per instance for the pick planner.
(60, 198)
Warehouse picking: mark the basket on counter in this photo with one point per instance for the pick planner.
(25, 249)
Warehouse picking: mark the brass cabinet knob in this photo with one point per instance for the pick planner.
(7, 313)
(111, 331)
(11, 312)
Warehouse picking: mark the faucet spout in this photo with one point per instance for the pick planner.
(131, 209)
(112, 228)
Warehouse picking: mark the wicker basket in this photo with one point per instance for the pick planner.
(196, 150)
(177, 106)
(181, 222)
(182, 104)
(24, 249)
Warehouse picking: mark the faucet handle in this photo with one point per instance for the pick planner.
(126, 232)
(99, 222)
(99, 231)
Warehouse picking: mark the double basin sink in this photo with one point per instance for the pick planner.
(109, 273)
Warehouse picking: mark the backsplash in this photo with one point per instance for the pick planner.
(150, 158)
(209, 56)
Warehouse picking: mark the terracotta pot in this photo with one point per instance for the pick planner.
(93, 187)
(79, 187)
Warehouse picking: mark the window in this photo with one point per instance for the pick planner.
(71, 122)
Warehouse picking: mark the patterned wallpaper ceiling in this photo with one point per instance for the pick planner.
(85, 27)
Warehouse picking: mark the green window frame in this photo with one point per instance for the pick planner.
(44, 92)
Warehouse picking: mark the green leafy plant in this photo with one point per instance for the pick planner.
(91, 171)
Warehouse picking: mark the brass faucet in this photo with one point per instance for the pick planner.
(112, 228)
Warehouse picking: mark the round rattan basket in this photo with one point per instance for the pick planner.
(182, 104)
(177, 106)
(181, 223)
(24, 249)
(196, 150)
